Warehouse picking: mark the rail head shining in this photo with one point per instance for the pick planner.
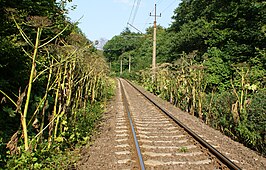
(214, 151)
(125, 101)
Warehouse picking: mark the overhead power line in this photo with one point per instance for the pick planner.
(133, 15)
(169, 5)
(151, 11)
(135, 28)
(136, 11)
(159, 2)
(131, 11)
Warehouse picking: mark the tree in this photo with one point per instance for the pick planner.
(124, 43)
(227, 25)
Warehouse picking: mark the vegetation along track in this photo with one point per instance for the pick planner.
(163, 142)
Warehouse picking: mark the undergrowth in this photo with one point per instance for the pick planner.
(64, 153)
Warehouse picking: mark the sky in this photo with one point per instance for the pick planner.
(103, 19)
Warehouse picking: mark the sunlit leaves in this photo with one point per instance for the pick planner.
(10, 111)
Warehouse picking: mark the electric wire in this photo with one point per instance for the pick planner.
(131, 11)
(136, 11)
(149, 18)
(146, 22)
(169, 6)
(133, 15)
(159, 2)
(165, 9)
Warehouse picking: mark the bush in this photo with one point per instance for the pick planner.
(218, 113)
(80, 130)
(43, 159)
(253, 130)
(62, 153)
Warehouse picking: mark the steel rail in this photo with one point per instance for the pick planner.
(214, 151)
(141, 162)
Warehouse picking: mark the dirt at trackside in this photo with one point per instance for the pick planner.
(100, 154)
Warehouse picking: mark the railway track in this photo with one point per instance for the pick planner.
(148, 137)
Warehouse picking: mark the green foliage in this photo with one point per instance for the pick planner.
(236, 107)
(139, 47)
(122, 46)
(2, 148)
(217, 71)
(219, 114)
(44, 159)
(79, 130)
(69, 89)
(252, 131)
(233, 27)
(183, 149)
(192, 36)
(119, 44)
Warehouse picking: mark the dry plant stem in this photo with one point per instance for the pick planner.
(93, 89)
(200, 93)
(79, 97)
(44, 128)
(235, 106)
(193, 100)
(33, 65)
(75, 105)
(243, 90)
(62, 102)
(76, 97)
(62, 85)
(86, 93)
(209, 109)
(55, 111)
(57, 121)
(81, 93)
(58, 77)
(9, 98)
(243, 95)
(25, 37)
(70, 86)
(46, 94)
(48, 88)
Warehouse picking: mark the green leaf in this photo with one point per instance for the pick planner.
(10, 111)
(37, 166)
(59, 139)
(34, 159)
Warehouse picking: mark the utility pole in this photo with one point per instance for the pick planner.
(129, 63)
(154, 44)
(121, 65)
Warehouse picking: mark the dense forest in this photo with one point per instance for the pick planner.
(53, 85)
(211, 62)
